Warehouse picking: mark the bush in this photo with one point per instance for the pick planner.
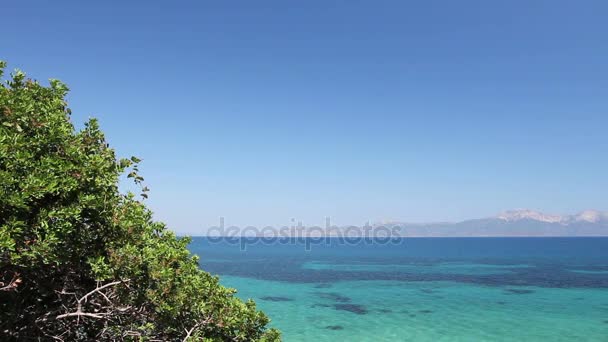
(81, 261)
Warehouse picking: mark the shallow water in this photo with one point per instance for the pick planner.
(423, 289)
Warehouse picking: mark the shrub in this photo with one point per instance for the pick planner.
(79, 260)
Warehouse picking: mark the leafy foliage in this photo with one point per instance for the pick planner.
(81, 261)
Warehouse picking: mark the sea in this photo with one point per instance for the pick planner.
(420, 289)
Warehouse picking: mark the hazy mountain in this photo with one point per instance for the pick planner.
(515, 223)
(522, 222)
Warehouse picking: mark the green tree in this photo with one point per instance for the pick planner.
(79, 260)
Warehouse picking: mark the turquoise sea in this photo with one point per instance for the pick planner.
(452, 289)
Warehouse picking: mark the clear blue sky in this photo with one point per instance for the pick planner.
(261, 111)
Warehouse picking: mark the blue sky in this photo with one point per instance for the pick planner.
(263, 111)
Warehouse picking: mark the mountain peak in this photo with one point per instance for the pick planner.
(523, 214)
(591, 216)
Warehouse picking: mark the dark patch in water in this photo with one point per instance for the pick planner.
(519, 291)
(606, 321)
(282, 262)
(412, 315)
(385, 310)
(548, 276)
(425, 311)
(334, 327)
(354, 308)
(322, 286)
(427, 290)
(320, 306)
(501, 302)
(276, 299)
(336, 297)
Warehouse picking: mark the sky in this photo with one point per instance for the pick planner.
(264, 111)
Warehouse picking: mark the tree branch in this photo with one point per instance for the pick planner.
(13, 283)
(196, 326)
(79, 312)
(100, 288)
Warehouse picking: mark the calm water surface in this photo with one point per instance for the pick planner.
(469, 289)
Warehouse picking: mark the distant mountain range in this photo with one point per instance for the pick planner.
(513, 223)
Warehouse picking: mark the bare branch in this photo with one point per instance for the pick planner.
(105, 297)
(101, 288)
(196, 326)
(79, 313)
(85, 314)
(13, 283)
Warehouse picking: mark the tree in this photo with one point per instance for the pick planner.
(79, 260)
